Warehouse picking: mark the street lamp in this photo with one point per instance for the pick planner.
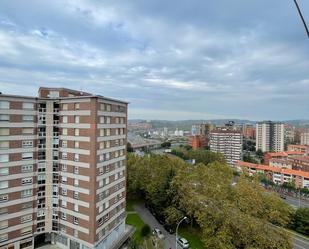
(184, 218)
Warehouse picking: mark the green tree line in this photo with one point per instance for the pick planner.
(229, 216)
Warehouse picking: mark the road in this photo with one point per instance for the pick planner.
(147, 217)
(300, 242)
(294, 202)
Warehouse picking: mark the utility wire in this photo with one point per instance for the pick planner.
(302, 18)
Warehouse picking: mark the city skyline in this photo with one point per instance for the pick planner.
(201, 60)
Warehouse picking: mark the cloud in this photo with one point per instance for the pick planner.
(203, 58)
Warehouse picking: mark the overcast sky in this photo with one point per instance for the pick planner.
(175, 59)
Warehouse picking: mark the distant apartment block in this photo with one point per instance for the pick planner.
(202, 129)
(227, 142)
(197, 141)
(301, 148)
(270, 136)
(280, 155)
(304, 138)
(277, 175)
(62, 170)
(249, 131)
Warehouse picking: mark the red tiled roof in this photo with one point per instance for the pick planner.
(273, 169)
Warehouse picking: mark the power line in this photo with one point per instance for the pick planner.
(302, 18)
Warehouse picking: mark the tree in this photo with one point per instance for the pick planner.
(145, 231)
(129, 147)
(249, 159)
(300, 221)
(260, 153)
(229, 216)
(166, 144)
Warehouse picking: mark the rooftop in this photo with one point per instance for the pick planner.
(273, 169)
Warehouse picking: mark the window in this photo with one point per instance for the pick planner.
(53, 94)
(76, 119)
(108, 120)
(64, 191)
(75, 233)
(107, 144)
(26, 181)
(76, 132)
(76, 170)
(76, 106)
(4, 198)
(27, 144)
(76, 207)
(76, 157)
(26, 230)
(4, 145)
(101, 132)
(101, 182)
(27, 156)
(63, 203)
(107, 132)
(26, 168)
(3, 210)
(64, 131)
(75, 195)
(27, 131)
(4, 117)
(101, 171)
(64, 144)
(28, 106)
(64, 107)
(64, 119)
(63, 216)
(4, 237)
(28, 118)
(64, 167)
(26, 193)
(64, 179)
(4, 158)
(101, 145)
(64, 155)
(4, 105)
(26, 205)
(75, 182)
(4, 184)
(3, 224)
(4, 171)
(76, 144)
(108, 107)
(75, 220)
(4, 131)
(26, 218)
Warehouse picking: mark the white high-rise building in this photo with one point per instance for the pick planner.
(228, 143)
(304, 138)
(270, 136)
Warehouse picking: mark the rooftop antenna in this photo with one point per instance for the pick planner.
(302, 18)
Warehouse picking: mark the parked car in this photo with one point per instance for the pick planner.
(157, 232)
(183, 242)
(283, 197)
(170, 229)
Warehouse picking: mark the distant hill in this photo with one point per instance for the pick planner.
(187, 124)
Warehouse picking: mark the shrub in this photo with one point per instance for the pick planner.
(145, 230)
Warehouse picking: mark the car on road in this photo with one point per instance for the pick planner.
(283, 197)
(170, 229)
(157, 232)
(183, 242)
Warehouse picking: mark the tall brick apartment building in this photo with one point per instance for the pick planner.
(62, 169)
